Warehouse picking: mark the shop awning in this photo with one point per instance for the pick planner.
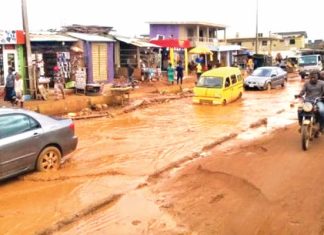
(200, 50)
(172, 42)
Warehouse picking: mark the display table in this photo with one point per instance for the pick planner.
(122, 92)
(92, 89)
(43, 88)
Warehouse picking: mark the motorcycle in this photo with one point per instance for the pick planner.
(309, 121)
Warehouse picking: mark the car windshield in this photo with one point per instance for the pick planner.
(262, 72)
(216, 82)
(308, 60)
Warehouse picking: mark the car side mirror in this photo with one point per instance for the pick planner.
(273, 75)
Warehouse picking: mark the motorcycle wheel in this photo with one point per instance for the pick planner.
(305, 137)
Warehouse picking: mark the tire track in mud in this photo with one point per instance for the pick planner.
(62, 178)
(207, 147)
(114, 198)
(82, 213)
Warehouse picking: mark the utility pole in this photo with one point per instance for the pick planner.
(28, 49)
(256, 28)
(270, 51)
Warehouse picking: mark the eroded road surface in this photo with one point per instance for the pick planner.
(173, 168)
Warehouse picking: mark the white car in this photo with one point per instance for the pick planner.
(265, 78)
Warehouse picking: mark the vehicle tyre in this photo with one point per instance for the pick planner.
(268, 86)
(303, 76)
(305, 137)
(283, 84)
(49, 159)
(224, 102)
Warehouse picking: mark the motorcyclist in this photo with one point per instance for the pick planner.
(312, 89)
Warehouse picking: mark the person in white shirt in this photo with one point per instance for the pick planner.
(19, 88)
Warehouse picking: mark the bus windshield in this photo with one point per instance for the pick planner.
(216, 82)
(308, 60)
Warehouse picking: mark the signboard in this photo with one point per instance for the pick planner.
(12, 37)
(80, 78)
(8, 37)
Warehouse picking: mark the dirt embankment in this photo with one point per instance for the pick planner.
(268, 186)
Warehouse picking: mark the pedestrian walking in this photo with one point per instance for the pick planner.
(179, 70)
(170, 74)
(10, 86)
(199, 70)
(250, 65)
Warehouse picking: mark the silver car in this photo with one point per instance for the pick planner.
(30, 140)
(265, 78)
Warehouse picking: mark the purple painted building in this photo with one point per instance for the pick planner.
(198, 34)
(160, 31)
(98, 56)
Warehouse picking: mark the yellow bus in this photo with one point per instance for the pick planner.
(219, 86)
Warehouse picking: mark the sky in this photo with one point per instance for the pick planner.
(131, 17)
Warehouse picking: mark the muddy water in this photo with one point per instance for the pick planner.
(116, 155)
(144, 141)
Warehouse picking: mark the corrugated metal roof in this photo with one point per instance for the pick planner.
(144, 44)
(91, 37)
(50, 37)
(135, 42)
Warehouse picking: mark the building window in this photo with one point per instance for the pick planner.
(253, 44)
(190, 32)
(292, 42)
(201, 35)
(239, 43)
(264, 43)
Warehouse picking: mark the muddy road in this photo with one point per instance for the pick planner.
(119, 179)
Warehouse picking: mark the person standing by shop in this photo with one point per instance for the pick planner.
(199, 70)
(250, 66)
(179, 70)
(19, 88)
(58, 83)
(130, 71)
(10, 86)
(170, 74)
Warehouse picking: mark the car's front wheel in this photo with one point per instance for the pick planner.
(224, 102)
(267, 86)
(49, 159)
(283, 84)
